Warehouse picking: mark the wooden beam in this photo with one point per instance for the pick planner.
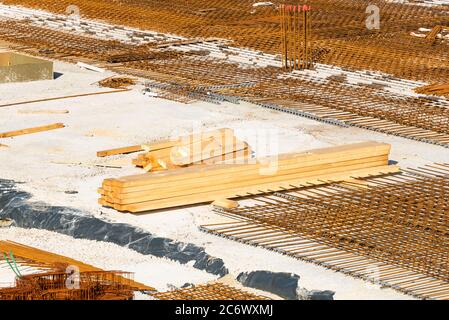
(304, 159)
(123, 150)
(173, 191)
(31, 130)
(43, 111)
(244, 177)
(160, 154)
(226, 203)
(207, 197)
(61, 98)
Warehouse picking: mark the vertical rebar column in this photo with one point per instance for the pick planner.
(290, 38)
(283, 33)
(296, 42)
(304, 37)
(296, 45)
(307, 37)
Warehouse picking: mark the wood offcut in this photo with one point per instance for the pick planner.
(31, 130)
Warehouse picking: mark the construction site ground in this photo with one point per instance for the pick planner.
(61, 168)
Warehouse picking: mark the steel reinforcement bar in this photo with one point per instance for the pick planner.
(339, 31)
(325, 100)
(213, 291)
(393, 230)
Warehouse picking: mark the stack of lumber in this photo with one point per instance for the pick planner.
(434, 89)
(201, 148)
(205, 184)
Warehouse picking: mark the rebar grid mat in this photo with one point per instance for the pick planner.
(60, 44)
(32, 257)
(373, 108)
(338, 28)
(392, 230)
(361, 100)
(59, 285)
(214, 291)
(417, 118)
(188, 73)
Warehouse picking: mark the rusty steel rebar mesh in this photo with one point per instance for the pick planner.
(93, 285)
(357, 99)
(339, 28)
(340, 37)
(400, 220)
(213, 291)
(194, 70)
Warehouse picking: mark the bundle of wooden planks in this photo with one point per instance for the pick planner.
(205, 184)
(434, 89)
(201, 148)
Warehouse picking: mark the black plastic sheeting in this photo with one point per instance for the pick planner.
(282, 284)
(14, 204)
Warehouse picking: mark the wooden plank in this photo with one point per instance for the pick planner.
(314, 157)
(236, 157)
(123, 150)
(189, 139)
(306, 159)
(225, 203)
(185, 156)
(215, 181)
(176, 186)
(61, 98)
(209, 173)
(132, 198)
(208, 197)
(43, 111)
(31, 130)
(160, 154)
(161, 146)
